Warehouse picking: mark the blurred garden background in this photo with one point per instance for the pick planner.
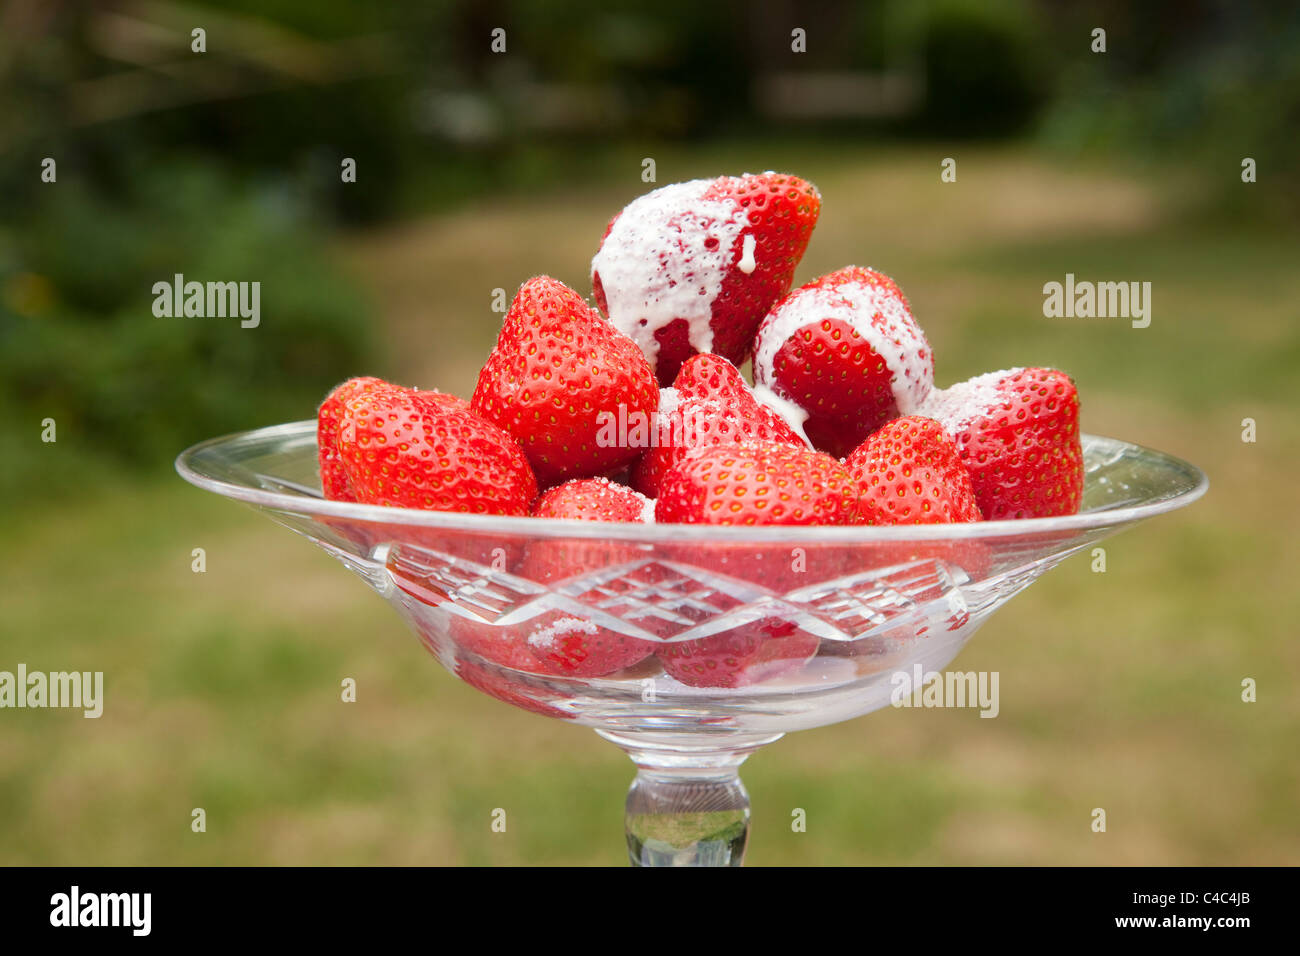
(476, 170)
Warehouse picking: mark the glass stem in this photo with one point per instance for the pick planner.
(687, 806)
(675, 820)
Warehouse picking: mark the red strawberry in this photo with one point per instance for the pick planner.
(511, 690)
(556, 375)
(593, 499)
(409, 450)
(503, 644)
(761, 650)
(910, 473)
(709, 376)
(708, 405)
(550, 559)
(335, 483)
(749, 654)
(757, 483)
(712, 378)
(846, 351)
(555, 644)
(561, 643)
(772, 565)
(693, 267)
(1018, 435)
(570, 646)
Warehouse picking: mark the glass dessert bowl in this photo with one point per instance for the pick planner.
(688, 646)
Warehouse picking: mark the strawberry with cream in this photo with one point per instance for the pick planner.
(1017, 432)
(693, 267)
(841, 356)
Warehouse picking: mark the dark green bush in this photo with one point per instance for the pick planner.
(79, 341)
(983, 67)
(1224, 85)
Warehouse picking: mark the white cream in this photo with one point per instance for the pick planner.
(899, 342)
(788, 411)
(957, 406)
(658, 264)
(747, 263)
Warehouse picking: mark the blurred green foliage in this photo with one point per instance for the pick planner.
(225, 165)
(1198, 84)
(79, 342)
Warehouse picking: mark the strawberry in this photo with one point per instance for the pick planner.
(335, 483)
(572, 647)
(593, 499)
(748, 654)
(757, 483)
(909, 472)
(561, 643)
(511, 690)
(557, 375)
(708, 405)
(1017, 432)
(846, 351)
(756, 651)
(408, 449)
(693, 267)
(710, 377)
(550, 559)
(556, 644)
(506, 645)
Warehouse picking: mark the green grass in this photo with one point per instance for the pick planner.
(1118, 690)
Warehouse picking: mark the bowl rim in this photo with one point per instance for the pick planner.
(189, 461)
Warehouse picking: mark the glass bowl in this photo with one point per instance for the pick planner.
(688, 646)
